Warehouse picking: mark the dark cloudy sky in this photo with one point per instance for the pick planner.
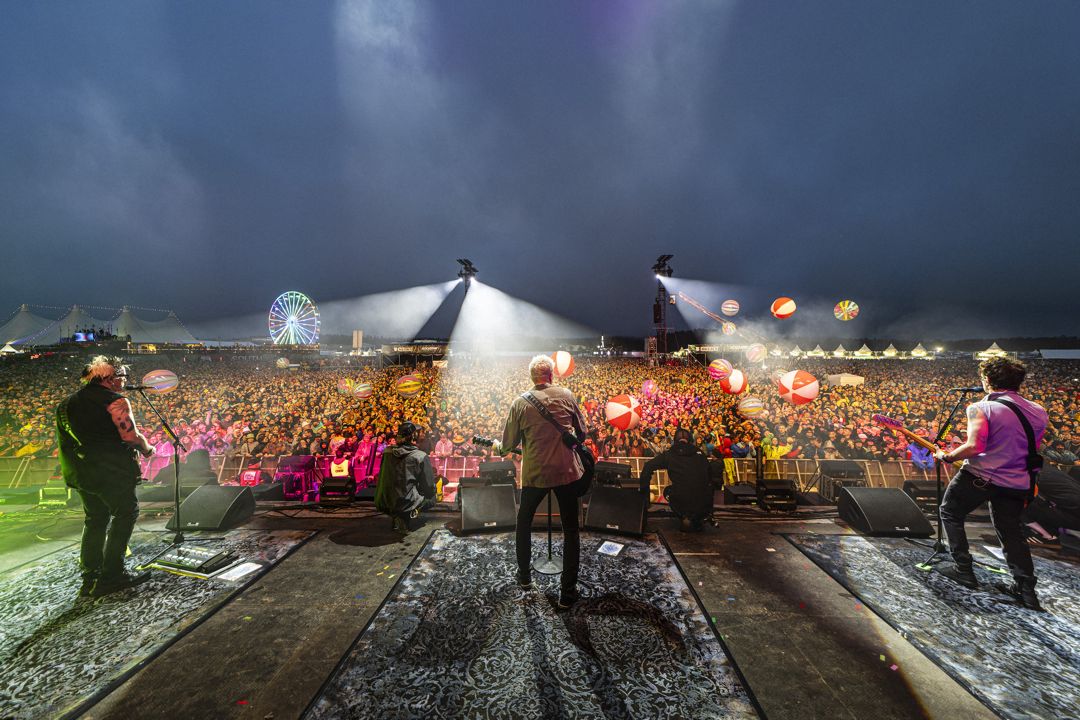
(922, 158)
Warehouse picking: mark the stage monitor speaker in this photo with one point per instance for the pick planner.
(884, 512)
(923, 492)
(620, 510)
(611, 473)
(487, 507)
(215, 507)
(841, 469)
(830, 487)
(776, 494)
(268, 492)
(740, 494)
(497, 472)
(337, 487)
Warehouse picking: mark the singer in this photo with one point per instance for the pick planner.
(1001, 463)
(97, 437)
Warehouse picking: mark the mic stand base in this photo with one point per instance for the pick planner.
(552, 564)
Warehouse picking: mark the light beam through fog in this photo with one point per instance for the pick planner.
(491, 321)
(398, 314)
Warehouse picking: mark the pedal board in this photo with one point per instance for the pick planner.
(192, 559)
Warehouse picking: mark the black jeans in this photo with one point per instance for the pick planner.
(965, 493)
(104, 543)
(568, 514)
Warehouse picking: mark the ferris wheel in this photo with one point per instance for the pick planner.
(294, 319)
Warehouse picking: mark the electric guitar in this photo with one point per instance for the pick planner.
(897, 427)
(488, 442)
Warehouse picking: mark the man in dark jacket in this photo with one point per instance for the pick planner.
(693, 479)
(97, 437)
(406, 483)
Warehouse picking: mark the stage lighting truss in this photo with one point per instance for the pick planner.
(468, 270)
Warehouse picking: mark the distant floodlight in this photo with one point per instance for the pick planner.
(468, 270)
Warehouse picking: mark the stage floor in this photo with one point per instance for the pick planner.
(806, 647)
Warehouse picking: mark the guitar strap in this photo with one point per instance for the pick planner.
(546, 414)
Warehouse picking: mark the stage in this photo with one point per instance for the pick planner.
(777, 616)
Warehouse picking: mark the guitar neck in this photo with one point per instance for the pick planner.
(921, 441)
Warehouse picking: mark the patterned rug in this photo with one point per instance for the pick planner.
(457, 638)
(1020, 663)
(59, 653)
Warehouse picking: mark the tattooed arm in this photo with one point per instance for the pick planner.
(977, 432)
(120, 411)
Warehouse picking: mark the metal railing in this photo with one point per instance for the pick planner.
(23, 472)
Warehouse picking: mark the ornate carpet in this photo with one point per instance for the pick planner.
(457, 638)
(1020, 663)
(59, 653)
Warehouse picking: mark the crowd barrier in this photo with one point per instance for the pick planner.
(28, 472)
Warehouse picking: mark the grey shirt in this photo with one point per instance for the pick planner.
(546, 461)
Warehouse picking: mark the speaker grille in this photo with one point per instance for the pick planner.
(488, 507)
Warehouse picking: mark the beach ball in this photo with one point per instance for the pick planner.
(564, 364)
(282, 362)
(734, 383)
(648, 388)
(798, 387)
(160, 381)
(728, 327)
(409, 385)
(362, 390)
(730, 307)
(756, 353)
(782, 307)
(751, 406)
(846, 310)
(345, 386)
(720, 369)
(623, 412)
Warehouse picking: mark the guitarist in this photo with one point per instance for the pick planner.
(98, 439)
(547, 464)
(1004, 431)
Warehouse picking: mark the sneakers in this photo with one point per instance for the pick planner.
(1023, 589)
(567, 599)
(962, 574)
(107, 585)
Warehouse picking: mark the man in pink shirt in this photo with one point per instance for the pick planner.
(1004, 431)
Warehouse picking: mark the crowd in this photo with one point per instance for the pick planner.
(247, 407)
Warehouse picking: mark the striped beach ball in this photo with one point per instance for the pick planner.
(362, 390)
(648, 388)
(720, 369)
(798, 387)
(727, 327)
(345, 386)
(409, 385)
(846, 310)
(564, 364)
(783, 307)
(161, 381)
(734, 383)
(623, 412)
(282, 362)
(751, 406)
(730, 307)
(756, 353)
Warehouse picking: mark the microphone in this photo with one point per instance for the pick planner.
(140, 387)
(972, 389)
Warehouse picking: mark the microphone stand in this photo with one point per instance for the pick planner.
(178, 445)
(939, 545)
(552, 565)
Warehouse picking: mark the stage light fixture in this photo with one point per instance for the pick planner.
(662, 268)
(468, 271)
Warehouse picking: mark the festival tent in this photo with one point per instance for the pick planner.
(9, 350)
(864, 352)
(23, 326)
(839, 351)
(65, 328)
(846, 379)
(918, 351)
(890, 352)
(168, 330)
(795, 351)
(991, 352)
(816, 352)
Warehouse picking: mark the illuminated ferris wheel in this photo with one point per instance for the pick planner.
(294, 319)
